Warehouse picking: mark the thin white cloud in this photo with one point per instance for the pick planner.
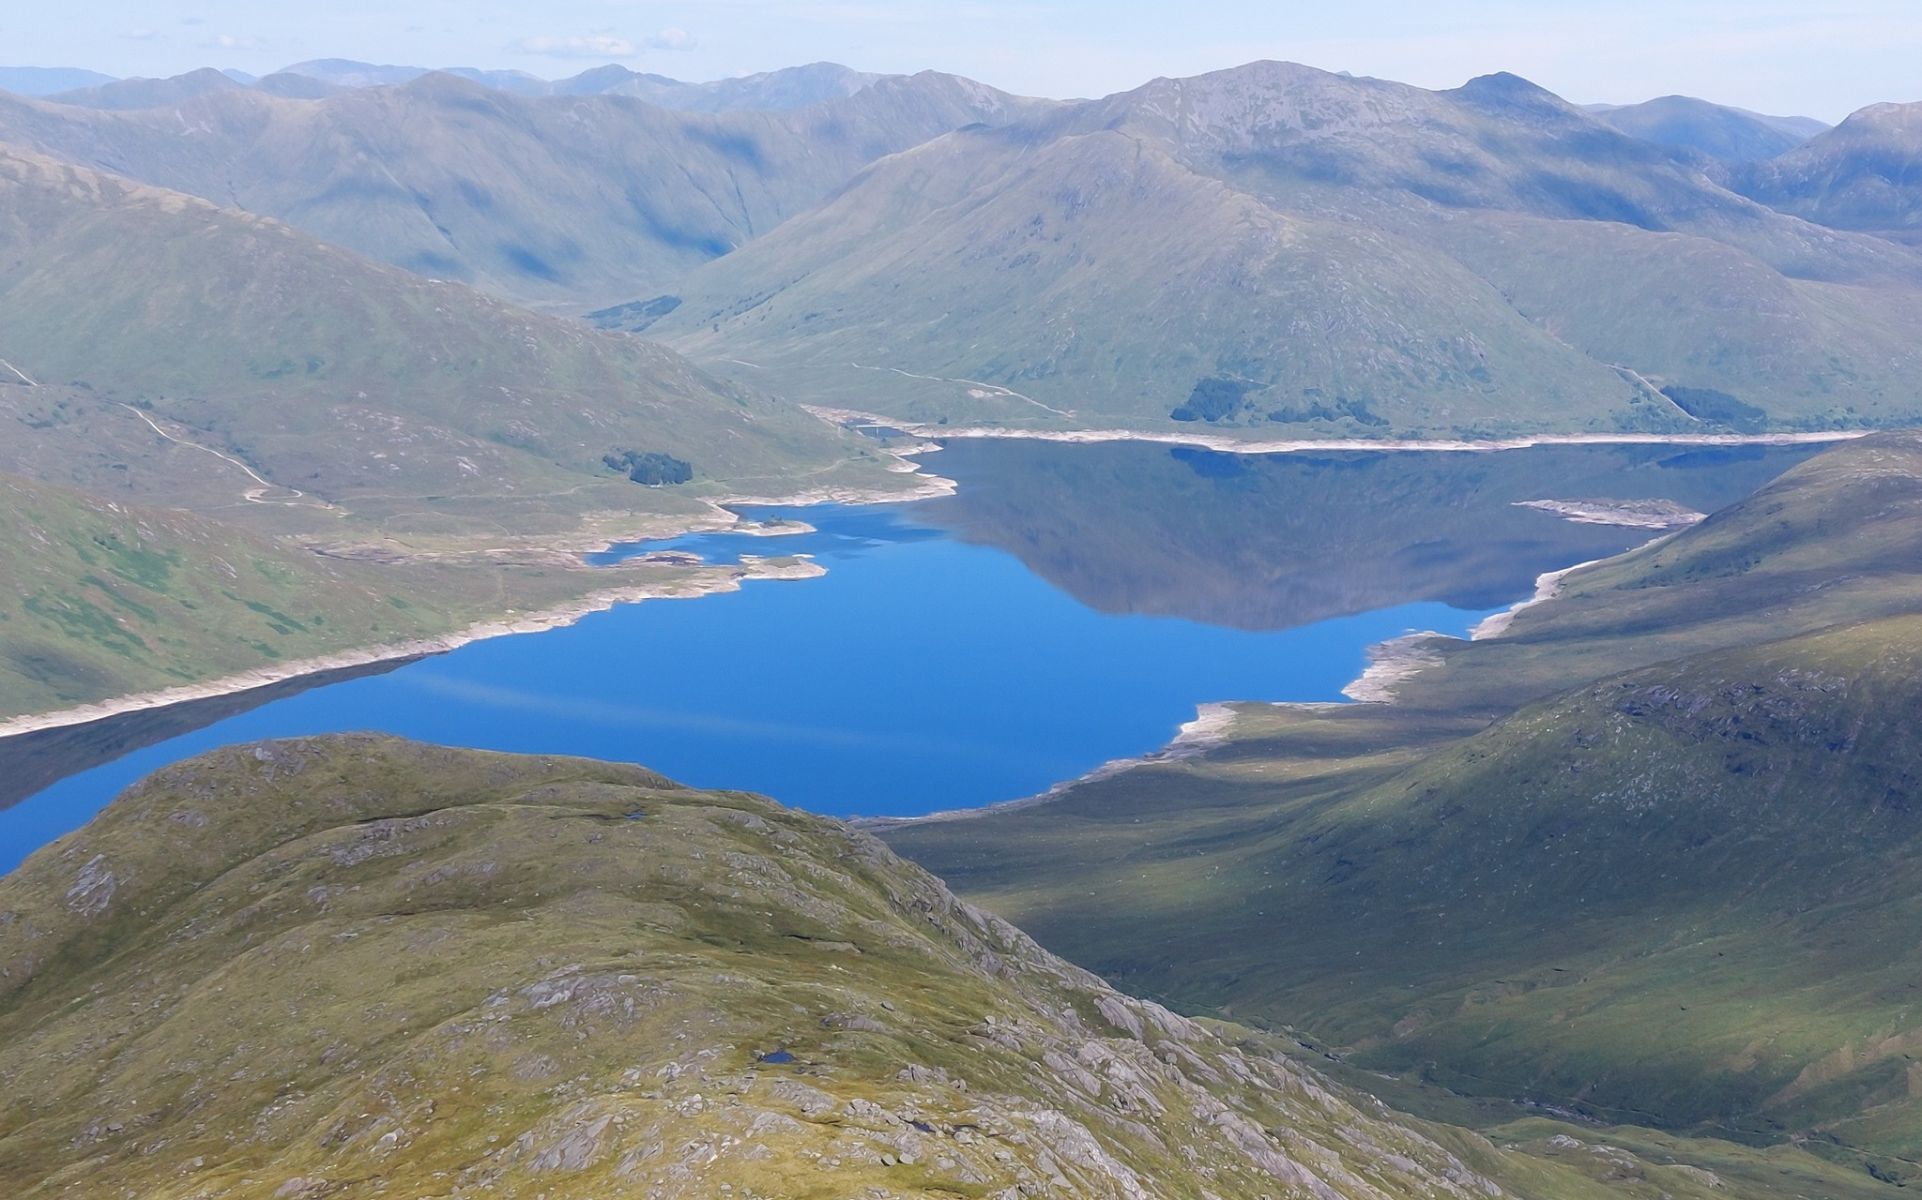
(234, 41)
(587, 45)
(672, 39)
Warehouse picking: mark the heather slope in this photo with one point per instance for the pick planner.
(1865, 174)
(415, 969)
(1676, 894)
(1096, 279)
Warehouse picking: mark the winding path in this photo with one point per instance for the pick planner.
(257, 495)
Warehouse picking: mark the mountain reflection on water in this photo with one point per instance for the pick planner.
(1070, 605)
(1279, 540)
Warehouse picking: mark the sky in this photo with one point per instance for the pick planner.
(1821, 58)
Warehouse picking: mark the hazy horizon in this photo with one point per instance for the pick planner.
(1769, 57)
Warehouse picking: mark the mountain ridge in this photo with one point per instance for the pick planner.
(1641, 855)
(1865, 174)
(551, 201)
(710, 970)
(1604, 275)
(1719, 131)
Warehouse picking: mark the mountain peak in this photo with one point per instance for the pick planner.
(1888, 117)
(150, 93)
(1717, 130)
(596, 79)
(1508, 91)
(447, 83)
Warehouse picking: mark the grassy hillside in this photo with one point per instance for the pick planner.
(1835, 540)
(1863, 174)
(304, 452)
(1277, 251)
(571, 202)
(1099, 275)
(105, 598)
(1677, 896)
(403, 400)
(421, 971)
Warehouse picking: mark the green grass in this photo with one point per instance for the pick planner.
(359, 966)
(1680, 896)
(167, 493)
(427, 406)
(1835, 540)
(1310, 255)
(108, 599)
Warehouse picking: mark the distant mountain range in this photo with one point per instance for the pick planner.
(788, 88)
(1269, 250)
(1275, 248)
(569, 202)
(47, 81)
(1864, 174)
(1717, 130)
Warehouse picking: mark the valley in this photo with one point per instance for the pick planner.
(1491, 884)
(724, 991)
(1094, 633)
(1327, 638)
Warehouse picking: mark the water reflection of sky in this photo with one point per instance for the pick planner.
(919, 674)
(984, 647)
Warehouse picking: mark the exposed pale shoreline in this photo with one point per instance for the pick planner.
(1622, 514)
(1392, 662)
(1233, 445)
(1548, 585)
(1207, 730)
(535, 622)
(718, 518)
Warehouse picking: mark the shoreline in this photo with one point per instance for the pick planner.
(1628, 514)
(1207, 729)
(1548, 585)
(1394, 662)
(718, 517)
(1390, 663)
(540, 621)
(1227, 444)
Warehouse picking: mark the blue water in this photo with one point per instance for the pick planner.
(919, 674)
